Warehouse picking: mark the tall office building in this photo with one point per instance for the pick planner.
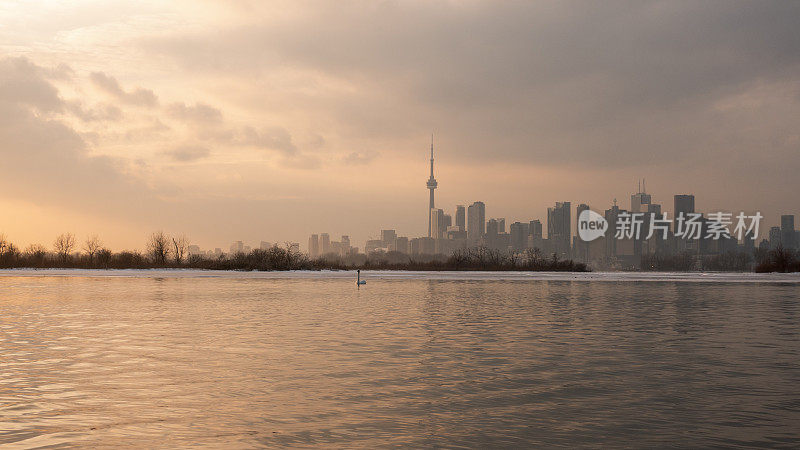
(324, 243)
(388, 237)
(237, 247)
(581, 208)
(581, 247)
(519, 235)
(640, 201)
(437, 222)
(313, 246)
(401, 244)
(535, 228)
(460, 218)
(787, 231)
(492, 227)
(559, 227)
(775, 237)
(684, 204)
(447, 222)
(432, 184)
(476, 222)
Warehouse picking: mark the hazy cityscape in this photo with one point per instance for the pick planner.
(468, 227)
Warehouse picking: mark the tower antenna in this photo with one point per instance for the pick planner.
(432, 184)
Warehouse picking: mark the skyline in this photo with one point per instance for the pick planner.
(636, 200)
(229, 121)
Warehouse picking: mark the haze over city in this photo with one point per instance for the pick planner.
(271, 121)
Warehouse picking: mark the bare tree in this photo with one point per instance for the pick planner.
(104, 257)
(8, 252)
(92, 246)
(179, 246)
(158, 247)
(36, 254)
(63, 245)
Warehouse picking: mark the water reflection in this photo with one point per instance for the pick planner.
(164, 362)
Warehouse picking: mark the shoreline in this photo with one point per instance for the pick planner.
(399, 275)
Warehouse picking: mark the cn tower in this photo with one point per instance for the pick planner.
(431, 186)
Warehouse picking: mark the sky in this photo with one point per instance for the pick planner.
(272, 120)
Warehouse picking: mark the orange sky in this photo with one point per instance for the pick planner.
(274, 120)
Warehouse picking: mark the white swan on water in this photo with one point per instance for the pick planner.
(359, 281)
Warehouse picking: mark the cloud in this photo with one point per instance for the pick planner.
(200, 113)
(48, 162)
(270, 138)
(22, 82)
(358, 158)
(522, 96)
(108, 84)
(595, 84)
(188, 153)
(267, 138)
(98, 113)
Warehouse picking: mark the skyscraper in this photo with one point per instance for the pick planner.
(437, 222)
(388, 237)
(460, 219)
(519, 235)
(535, 228)
(492, 227)
(432, 184)
(476, 222)
(581, 247)
(559, 227)
(313, 246)
(775, 237)
(324, 243)
(447, 221)
(640, 201)
(787, 231)
(684, 204)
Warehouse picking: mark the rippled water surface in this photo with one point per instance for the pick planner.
(171, 360)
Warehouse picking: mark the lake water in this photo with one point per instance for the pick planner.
(178, 358)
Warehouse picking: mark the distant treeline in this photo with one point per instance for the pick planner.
(164, 251)
(777, 260)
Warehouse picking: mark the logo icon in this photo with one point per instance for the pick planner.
(591, 225)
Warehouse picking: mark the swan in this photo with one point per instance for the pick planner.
(359, 281)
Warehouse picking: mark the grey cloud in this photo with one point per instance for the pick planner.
(139, 96)
(358, 158)
(22, 82)
(199, 113)
(267, 138)
(155, 129)
(188, 153)
(102, 112)
(569, 83)
(271, 138)
(48, 161)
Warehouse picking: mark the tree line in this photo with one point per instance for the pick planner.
(166, 251)
(779, 259)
